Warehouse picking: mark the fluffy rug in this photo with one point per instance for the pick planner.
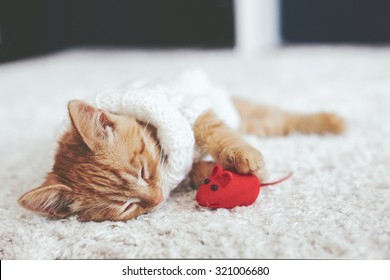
(337, 205)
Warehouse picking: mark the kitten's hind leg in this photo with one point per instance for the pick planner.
(268, 121)
(200, 171)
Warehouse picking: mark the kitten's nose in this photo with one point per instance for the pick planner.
(156, 201)
(159, 200)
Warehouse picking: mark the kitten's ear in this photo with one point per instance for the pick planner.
(94, 126)
(50, 199)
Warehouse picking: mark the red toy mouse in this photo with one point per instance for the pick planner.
(226, 189)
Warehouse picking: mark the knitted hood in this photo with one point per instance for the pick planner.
(149, 104)
(172, 110)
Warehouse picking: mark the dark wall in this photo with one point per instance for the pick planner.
(37, 26)
(29, 27)
(336, 21)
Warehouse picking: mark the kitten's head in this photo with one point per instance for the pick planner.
(106, 168)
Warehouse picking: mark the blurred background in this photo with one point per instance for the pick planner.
(41, 26)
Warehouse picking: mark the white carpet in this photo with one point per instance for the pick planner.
(337, 205)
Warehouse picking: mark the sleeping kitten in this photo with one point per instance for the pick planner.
(107, 166)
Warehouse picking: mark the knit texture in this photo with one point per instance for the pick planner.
(173, 109)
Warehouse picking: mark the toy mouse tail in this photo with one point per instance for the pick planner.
(278, 181)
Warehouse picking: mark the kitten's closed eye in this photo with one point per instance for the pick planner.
(131, 204)
(106, 168)
(144, 173)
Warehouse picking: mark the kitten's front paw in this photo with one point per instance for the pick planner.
(243, 160)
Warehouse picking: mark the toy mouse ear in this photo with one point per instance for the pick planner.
(226, 177)
(216, 170)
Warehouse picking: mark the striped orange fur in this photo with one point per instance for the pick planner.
(106, 168)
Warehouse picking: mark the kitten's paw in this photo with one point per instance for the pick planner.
(243, 160)
(332, 123)
(322, 123)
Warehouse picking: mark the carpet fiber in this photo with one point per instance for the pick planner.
(337, 204)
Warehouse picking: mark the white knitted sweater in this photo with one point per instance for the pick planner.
(173, 109)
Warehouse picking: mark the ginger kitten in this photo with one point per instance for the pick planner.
(108, 166)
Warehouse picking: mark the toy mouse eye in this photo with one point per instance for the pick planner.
(206, 181)
(214, 187)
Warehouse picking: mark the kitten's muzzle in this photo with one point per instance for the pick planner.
(154, 201)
